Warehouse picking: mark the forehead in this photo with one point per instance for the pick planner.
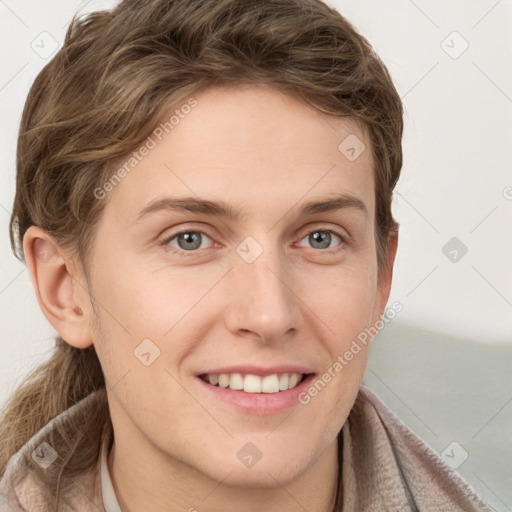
(253, 146)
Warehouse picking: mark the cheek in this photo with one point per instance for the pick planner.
(345, 308)
(148, 301)
(158, 305)
(343, 300)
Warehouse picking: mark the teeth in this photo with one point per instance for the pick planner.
(294, 378)
(270, 384)
(236, 381)
(254, 383)
(223, 380)
(213, 379)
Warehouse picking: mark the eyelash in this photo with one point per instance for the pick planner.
(192, 253)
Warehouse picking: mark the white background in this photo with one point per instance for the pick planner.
(443, 365)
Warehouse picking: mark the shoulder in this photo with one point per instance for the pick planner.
(397, 461)
(39, 470)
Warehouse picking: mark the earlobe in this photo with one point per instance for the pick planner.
(60, 294)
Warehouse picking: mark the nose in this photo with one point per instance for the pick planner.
(262, 304)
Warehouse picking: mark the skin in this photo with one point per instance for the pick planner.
(175, 448)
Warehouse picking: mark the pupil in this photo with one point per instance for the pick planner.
(322, 236)
(190, 238)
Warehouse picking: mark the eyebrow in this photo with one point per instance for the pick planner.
(223, 209)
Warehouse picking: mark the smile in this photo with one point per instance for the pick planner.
(251, 383)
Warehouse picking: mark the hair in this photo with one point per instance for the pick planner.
(104, 92)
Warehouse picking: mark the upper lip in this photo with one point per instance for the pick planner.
(258, 370)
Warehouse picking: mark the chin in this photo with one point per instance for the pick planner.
(269, 475)
(273, 467)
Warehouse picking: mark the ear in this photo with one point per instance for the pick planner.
(385, 274)
(61, 290)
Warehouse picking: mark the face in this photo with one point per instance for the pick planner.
(253, 282)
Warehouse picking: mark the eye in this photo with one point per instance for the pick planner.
(321, 239)
(187, 241)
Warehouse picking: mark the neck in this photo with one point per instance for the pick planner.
(155, 483)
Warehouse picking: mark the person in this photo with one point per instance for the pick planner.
(203, 200)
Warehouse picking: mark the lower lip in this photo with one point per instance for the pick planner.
(259, 403)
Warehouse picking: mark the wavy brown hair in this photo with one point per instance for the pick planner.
(104, 92)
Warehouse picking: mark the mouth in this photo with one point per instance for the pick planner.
(251, 383)
(255, 391)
